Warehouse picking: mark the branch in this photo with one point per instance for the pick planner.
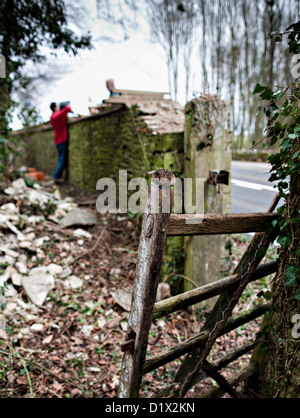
(94, 247)
(222, 382)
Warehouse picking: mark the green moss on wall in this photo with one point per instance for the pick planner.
(170, 141)
(101, 146)
(40, 151)
(120, 141)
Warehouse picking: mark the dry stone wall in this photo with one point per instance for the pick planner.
(121, 138)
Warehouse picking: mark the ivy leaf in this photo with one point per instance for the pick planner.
(266, 295)
(259, 89)
(267, 94)
(283, 225)
(286, 144)
(273, 140)
(294, 47)
(273, 107)
(276, 115)
(297, 295)
(295, 155)
(273, 177)
(278, 95)
(294, 26)
(283, 241)
(283, 185)
(275, 160)
(290, 272)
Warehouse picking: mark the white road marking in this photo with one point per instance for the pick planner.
(253, 186)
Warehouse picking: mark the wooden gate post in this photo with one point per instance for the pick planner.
(148, 269)
(207, 157)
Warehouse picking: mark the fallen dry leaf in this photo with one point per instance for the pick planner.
(48, 339)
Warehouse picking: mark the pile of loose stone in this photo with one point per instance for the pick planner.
(27, 221)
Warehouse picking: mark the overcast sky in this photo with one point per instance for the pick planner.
(134, 64)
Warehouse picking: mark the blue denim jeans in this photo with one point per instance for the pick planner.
(62, 151)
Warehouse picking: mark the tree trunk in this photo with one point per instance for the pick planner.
(278, 358)
(204, 49)
(4, 106)
(5, 83)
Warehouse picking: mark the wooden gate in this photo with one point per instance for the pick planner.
(158, 223)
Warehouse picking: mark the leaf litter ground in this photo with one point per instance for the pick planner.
(70, 346)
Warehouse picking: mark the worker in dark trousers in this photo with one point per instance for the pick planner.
(59, 122)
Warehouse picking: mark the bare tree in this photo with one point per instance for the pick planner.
(172, 25)
(203, 52)
(188, 22)
(235, 48)
(120, 13)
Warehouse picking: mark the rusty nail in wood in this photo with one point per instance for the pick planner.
(130, 341)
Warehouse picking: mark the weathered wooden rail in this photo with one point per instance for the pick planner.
(155, 228)
(210, 290)
(219, 224)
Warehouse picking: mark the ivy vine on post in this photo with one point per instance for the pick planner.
(280, 373)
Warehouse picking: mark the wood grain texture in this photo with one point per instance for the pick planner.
(147, 278)
(184, 300)
(219, 224)
(200, 339)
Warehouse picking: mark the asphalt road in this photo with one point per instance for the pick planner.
(251, 191)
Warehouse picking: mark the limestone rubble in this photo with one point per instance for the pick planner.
(27, 221)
